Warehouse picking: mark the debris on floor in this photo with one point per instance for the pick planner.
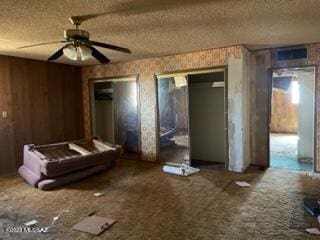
(31, 223)
(182, 170)
(56, 218)
(314, 231)
(94, 224)
(312, 206)
(243, 184)
(98, 194)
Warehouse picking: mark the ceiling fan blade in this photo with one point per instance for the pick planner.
(40, 44)
(81, 18)
(98, 55)
(56, 55)
(109, 46)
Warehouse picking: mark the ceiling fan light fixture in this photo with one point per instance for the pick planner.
(70, 52)
(79, 46)
(84, 52)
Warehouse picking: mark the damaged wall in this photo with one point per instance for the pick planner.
(238, 112)
(261, 63)
(146, 68)
(306, 116)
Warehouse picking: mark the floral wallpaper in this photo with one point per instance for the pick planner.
(146, 68)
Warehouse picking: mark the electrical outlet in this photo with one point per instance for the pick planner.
(4, 114)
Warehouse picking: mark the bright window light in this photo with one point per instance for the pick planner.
(295, 96)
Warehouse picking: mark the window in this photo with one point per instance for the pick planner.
(295, 96)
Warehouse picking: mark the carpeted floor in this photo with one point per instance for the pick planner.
(283, 153)
(149, 204)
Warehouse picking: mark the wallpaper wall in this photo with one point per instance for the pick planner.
(146, 68)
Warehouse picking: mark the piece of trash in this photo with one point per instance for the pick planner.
(98, 194)
(312, 206)
(242, 184)
(182, 170)
(314, 231)
(55, 219)
(94, 224)
(31, 223)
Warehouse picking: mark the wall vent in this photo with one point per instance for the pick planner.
(292, 54)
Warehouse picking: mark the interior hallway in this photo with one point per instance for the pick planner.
(283, 153)
(149, 204)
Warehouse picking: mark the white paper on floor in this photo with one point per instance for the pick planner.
(314, 231)
(31, 223)
(98, 194)
(182, 170)
(243, 184)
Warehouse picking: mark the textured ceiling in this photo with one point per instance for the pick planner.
(152, 28)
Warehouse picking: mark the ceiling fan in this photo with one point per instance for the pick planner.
(78, 46)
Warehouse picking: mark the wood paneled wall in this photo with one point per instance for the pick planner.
(284, 114)
(44, 105)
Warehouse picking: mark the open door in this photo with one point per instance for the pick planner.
(173, 115)
(192, 118)
(115, 113)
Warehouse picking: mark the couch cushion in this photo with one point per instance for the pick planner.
(48, 184)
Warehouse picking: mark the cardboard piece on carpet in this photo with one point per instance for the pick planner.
(94, 224)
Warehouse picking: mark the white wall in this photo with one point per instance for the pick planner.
(306, 116)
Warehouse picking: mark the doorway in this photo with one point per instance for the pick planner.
(192, 115)
(292, 115)
(115, 113)
(207, 120)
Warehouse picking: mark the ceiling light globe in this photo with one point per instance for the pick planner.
(70, 52)
(85, 52)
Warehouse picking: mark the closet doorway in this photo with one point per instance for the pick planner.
(115, 113)
(207, 119)
(192, 118)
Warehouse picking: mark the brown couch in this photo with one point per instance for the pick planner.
(50, 166)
